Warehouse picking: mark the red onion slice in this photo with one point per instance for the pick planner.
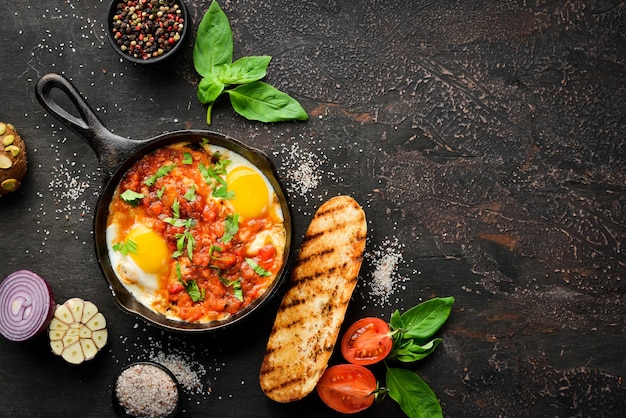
(26, 305)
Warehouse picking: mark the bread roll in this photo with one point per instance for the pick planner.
(311, 313)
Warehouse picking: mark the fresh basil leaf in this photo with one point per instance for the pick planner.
(421, 322)
(244, 70)
(409, 351)
(214, 42)
(209, 89)
(415, 397)
(258, 269)
(231, 226)
(132, 197)
(395, 322)
(265, 103)
(162, 171)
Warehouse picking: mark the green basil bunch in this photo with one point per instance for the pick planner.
(412, 334)
(251, 98)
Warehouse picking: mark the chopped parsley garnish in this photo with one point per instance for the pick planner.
(176, 208)
(177, 221)
(190, 195)
(236, 285)
(258, 269)
(191, 243)
(187, 159)
(129, 246)
(213, 176)
(223, 192)
(132, 197)
(160, 192)
(212, 250)
(195, 292)
(231, 227)
(161, 172)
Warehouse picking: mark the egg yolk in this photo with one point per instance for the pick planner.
(152, 253)
(251, 193)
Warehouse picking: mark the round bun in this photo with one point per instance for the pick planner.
(13, 159)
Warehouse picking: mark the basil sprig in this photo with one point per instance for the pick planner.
(412, 331)
(213, 60)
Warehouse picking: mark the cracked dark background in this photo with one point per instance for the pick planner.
(488, 138)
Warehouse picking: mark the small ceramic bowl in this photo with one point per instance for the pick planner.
(147, 31)
(143, 385)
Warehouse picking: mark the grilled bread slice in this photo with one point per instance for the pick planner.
(308, 320)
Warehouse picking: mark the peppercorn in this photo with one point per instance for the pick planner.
(147, 28)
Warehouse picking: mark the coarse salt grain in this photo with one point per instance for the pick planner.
(385, 280)
(145, 390)
(302, 167)
(183, 369)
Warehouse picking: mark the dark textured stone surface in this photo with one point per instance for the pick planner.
(486, 138)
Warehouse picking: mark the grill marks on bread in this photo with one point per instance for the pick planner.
(308, 320)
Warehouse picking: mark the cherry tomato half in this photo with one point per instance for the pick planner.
(347, 388)
(367, 341)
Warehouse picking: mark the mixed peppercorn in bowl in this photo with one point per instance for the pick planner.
(147, 31)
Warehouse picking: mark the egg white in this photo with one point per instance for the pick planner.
(239, 160)
(140, 284)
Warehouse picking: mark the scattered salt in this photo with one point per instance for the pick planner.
(302, 167)
(385, 280)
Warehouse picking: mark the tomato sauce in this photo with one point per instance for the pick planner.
(221, 262)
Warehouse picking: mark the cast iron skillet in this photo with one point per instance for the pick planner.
(117, 154)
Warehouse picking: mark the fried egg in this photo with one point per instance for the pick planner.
(171, 229)
(252, 195)
(144, 263)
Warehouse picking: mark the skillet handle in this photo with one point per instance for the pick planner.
(111, 149)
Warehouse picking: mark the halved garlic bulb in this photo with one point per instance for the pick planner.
(77, 331)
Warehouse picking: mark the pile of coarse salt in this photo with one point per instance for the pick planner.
(176, 356)
(302, 168)
(385, 280)
(187, 372)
